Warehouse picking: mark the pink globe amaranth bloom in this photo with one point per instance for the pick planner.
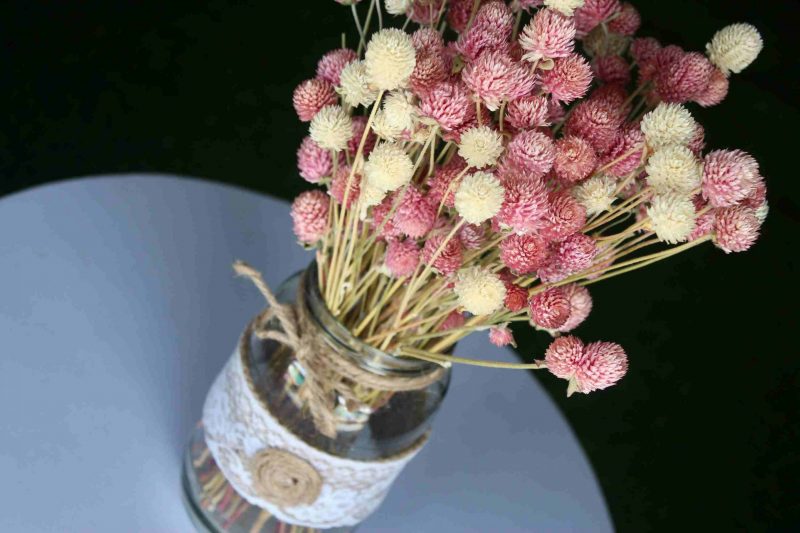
(627, 21)
(494, 77)
(448, 104)
(310, 216)
(524, 206)
(644, 50)
(595, 366)
(580, 303)
(490, 30)
(472, 236)
(548, 35)
(313, 161)
(359, 125)
(530, 153)
(550, 309)
(471, 121)
(458, 12)
(523, 254)
(501, 336)
(698, 142)
(339, 186)
(516, 296)
(735, 228)
(384, 225)
(528, 113)
(684, 78)
(329, 68)
(612, 69)
(555, 111)
(729, 176)
(758, 196)
(629, 140)
(703, 224)
(592, 13)
(613, 96)
(565, 216)
(311, 96)
(596, 121)
(425, 12)
(574, 160)
(449, 259)
(415, 214)
(454, 320)
(576, 252)
(442, 181)
(569, 79)
(402, 257)
(429, 71)
(428, 40)
(715, 92)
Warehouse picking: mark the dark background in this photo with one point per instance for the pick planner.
(704, 429)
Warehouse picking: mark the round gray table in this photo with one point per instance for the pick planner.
(118, 307)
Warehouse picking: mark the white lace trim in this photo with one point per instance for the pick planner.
(237, 426)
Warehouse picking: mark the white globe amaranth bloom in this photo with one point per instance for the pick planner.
(479, 197)
(674, 169)
(331, 128)
(672, 217)
(762, 211)
(595, 194)
(668, 124)
(369, 196)
(734, 47)
(566, 7)
(354, 87)
(397, 7)
(479, 291)
(480, 146)
(390, 59)
(397, 115)
(388, 167)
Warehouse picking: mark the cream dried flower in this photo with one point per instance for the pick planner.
(672, 217)
(480, 146)
(673, 169)
(388, 167)
(354, 87)
(762, 211)
(595, 194)
(566, 7)
(479, 291)
(398, 115)
(734, 47)
(397, 7)
(331, 128)
(479, 197)
(369, 196)
(668, 124)
(390, 59)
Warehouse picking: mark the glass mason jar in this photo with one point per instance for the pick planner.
(385, 425)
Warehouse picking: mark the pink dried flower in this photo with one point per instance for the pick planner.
(430, 69)
(385, 227)
(757, 197)
(458, 12)
(448, 104)
(564, 217)
(592, 13)
(528, 113)
(550, 309)
(426, 12)
(597, 122)
(575, 159)
(580, 303)
(552, 272)
(330, 66)
(626, 22)
(548, 35)
(494, 77)
(644, 49)
(442, 180)
(501, 336)
(684, 78)
(530, 153)
(472, 236)
(313, 161)
(729, 176)
(555, 111)
(523, 254)
(736, 228)
(612, 69)
(402, 257)
(490, 30)
(415, 215)
(524, 205)
(569, 79)
(576, 253)
(703, 224)
(454, 320)
(595, 366)
(310, 216)
(612, 96)
(516, 297)
(359, 124)
(427, 39)
(630, 141)
(715, 92)
(449, 259)
(698, 142)
(311, 96)
(339, 185)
